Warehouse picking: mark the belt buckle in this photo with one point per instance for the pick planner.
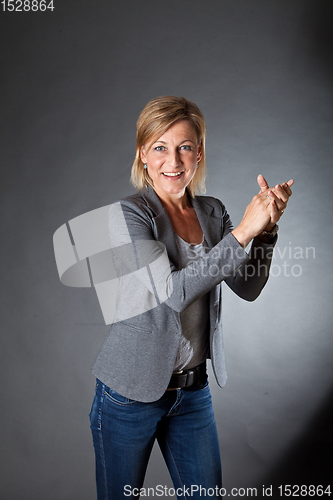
(190, 377)
(176, 388)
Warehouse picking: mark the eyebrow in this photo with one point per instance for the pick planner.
(163, 142)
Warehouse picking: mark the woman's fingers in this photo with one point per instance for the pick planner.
(276, 206)
(275, 212)
(282, 191)
(263, 184)
(279, 199)
(287, 185)
(281, 194)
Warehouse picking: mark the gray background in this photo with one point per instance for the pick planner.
(73, 82)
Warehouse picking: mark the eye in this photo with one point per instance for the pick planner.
(186, 147)
(159, 148)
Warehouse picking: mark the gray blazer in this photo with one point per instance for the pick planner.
(138, 355)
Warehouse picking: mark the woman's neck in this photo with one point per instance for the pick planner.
(175, 203)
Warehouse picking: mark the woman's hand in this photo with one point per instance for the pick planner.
(279, 196)
(264, 211)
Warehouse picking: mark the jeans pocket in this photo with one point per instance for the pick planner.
(96, 407)
(204, 386)
(117, 398)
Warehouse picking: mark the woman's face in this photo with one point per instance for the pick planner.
(172, 160)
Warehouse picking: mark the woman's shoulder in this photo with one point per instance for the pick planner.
(135, 200)
(133, 207)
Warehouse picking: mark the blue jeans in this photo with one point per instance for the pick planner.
(124, 432)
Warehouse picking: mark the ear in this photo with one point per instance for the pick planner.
(143, 154)
(199, 152)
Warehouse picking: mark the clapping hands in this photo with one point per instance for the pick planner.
(278, 198)
(264, 211)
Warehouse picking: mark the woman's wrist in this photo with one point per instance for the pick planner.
(269, 227)
(241, 236)
(266, 236)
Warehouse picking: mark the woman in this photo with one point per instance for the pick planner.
(172, 250)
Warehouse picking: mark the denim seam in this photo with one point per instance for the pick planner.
(176, 403)
(101, 442)
(175, 464)
(120, 403)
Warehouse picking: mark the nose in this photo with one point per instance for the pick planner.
(174, 158)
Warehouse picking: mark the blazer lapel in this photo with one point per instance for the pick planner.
(163, 228)
(211, 224)
(212, 227)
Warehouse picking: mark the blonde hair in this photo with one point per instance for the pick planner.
(155, 119)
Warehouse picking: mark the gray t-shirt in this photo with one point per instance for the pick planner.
(194, 344)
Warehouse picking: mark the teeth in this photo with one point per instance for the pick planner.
(172, 174)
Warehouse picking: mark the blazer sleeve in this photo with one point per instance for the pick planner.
(137, 254)
(249, 280)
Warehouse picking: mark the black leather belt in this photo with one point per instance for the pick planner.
(189, 378)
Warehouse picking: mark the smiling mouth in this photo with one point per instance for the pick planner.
(172, 174)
